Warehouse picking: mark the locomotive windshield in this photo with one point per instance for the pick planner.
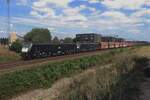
(26, 47)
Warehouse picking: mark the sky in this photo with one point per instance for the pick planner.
(65, 18)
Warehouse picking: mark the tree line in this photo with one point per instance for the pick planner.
(39, 35)
(43, 35)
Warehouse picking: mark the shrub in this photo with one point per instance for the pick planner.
(16, 46)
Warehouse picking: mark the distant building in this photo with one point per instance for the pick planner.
(3, 38)
(13, 37)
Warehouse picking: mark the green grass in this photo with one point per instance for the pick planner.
(44, 76)
(5, 59)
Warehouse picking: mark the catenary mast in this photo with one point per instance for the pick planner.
(8, 18)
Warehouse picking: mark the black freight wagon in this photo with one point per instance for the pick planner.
(88, 38)
(83, 47)
(67, 48)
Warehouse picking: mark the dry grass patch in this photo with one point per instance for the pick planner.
(57, 88)
(143, 51)
(5, 51)
(6, 55)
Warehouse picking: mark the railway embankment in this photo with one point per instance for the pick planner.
(106, 82)
(107, 76)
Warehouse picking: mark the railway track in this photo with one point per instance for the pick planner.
(31, 63)
(24, 63)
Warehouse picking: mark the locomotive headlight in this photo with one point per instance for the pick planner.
(78, 46)
(25, 49)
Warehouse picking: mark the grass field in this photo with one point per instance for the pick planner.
(45, 75)
(6, 55)
(104, 83)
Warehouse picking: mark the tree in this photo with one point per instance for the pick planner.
(56, 40)
(68, 40)
(16, 46)
(74, 40)
(38, 35)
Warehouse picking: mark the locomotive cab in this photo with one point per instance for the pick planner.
(26, 48)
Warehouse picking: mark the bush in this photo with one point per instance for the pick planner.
(16, 46)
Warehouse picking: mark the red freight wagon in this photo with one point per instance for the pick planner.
(104, 45)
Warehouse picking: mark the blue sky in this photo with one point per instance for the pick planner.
(126, 18)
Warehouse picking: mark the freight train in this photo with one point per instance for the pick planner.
(84, 43)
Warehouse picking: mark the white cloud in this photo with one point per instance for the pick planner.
(93, 9)
(141, 13)
(44, 14)
(73, 15)
(94, 1)
(81, 7)
(75, 18)
(125, 4)
(119, 17)
(85, 7)
(147, 2)
(39, 4)
(45, 11)
(62, 3)
(114, 14)
(34, 13)
(22, 2)
(40, 9)
(134, 31)
(71, 11)
(115, 21)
